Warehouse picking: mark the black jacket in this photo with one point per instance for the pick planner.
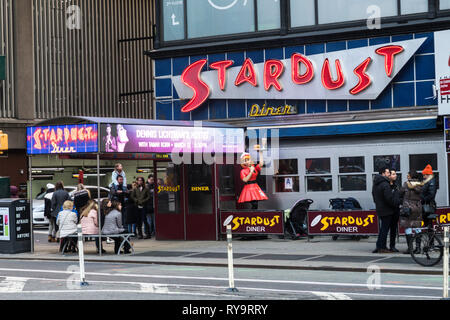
(429, 192)
(386, 200)
(58, 199)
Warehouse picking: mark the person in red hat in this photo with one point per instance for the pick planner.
(428, 192)
(252, 192)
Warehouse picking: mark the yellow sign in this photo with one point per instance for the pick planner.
(3, 141)
(200, 188)
(168, 189)
(346, 221)
(255, 221)
(265, 111)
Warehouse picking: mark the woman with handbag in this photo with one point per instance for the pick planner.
(428, 194)
(411, 208)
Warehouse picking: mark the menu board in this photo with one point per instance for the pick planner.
(4, 224)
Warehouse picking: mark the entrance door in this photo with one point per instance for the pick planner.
(169, 207)
(201, 217)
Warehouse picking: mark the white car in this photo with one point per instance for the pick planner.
(38, 203)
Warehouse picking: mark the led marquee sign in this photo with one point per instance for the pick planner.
(355, 74)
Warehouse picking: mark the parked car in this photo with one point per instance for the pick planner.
(38, 203)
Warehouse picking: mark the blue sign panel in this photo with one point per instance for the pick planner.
(64, 139)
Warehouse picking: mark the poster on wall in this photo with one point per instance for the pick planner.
(4, 224)
(442, 63)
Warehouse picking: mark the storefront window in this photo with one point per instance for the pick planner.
(331, 11)
(200, 189)
(418, 162)
(219, 17)
(268, 15)
(286, 175)
(173, 15)
(168, 190)
(444, 4)
(319, 183)
(318, 166)
(302, 13)
(414, 6)
(352, 182)
(391, 162)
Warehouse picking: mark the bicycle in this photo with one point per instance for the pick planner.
(427, 248)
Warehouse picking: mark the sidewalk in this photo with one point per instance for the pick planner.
(319, 253)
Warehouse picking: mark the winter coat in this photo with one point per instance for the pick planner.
(58, 199)
(410, 193)
(90, 223)
(140, 196)
(386, 200)
(67, 223)
(429, 191)
(113, 223)
(121, 197)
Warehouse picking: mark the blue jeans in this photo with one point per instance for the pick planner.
(151, 222)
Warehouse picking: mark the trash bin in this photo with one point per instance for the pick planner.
(15, 226)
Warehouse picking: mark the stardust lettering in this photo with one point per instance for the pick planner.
(346, 221)
(333, 75)
(255, 221)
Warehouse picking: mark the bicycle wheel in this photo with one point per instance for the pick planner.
(427, 249)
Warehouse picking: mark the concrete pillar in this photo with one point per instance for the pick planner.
(24, 65)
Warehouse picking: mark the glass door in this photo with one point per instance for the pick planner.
(169, 209)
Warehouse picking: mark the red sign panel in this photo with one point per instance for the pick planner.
(445, 87)
(342, 222)
(254, 222)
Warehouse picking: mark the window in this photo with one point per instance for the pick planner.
(348, 180)
(168, 189)
(209, 18)
(200, 190)
(418, 162)
(444, 4)
(286, 175)
(414, 6)
(331, 11)
(318, 175)
(391, 162)
(227, 186)
(302, 13)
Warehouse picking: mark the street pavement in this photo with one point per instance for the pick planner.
(319, 253)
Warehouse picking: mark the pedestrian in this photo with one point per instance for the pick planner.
(150, 206)
(386, 201)
(81, 197)
(428, 195)
(113, 224)
(119, 192)
(41, 192)
(48, 211)
(14, 192)
(89, 221)
(411, 208)
(393, 230)
(140, 196)
(67, 222)
(58, 198)
(118, 171)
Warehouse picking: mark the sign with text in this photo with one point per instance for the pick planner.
(23, 225)
(342, 222)
(442, 65)
(64, 139)
(167, 139)
(271, 111)
(254, 222)
(354, 74)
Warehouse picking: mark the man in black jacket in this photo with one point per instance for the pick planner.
(386, 201)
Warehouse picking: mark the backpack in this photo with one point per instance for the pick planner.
(337, 204)
(351, 204)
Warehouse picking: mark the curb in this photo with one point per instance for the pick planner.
(236, 265)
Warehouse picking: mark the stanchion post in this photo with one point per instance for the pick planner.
(232, 287)
(81, 256)
(445, 266)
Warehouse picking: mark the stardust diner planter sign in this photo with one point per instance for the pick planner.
(355, 74)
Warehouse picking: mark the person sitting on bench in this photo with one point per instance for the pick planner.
(113, 223)
(67, 223)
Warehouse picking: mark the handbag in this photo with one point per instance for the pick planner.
(405, 212)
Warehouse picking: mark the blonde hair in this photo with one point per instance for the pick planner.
(92, 205)
(67, 205)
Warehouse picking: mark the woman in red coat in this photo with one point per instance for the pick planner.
(252, 192)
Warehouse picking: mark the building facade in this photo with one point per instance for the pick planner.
(347, 86)
(71, 58)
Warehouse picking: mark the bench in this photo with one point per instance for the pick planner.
(125, 239)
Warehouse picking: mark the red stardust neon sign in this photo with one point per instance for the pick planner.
(273, 70)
